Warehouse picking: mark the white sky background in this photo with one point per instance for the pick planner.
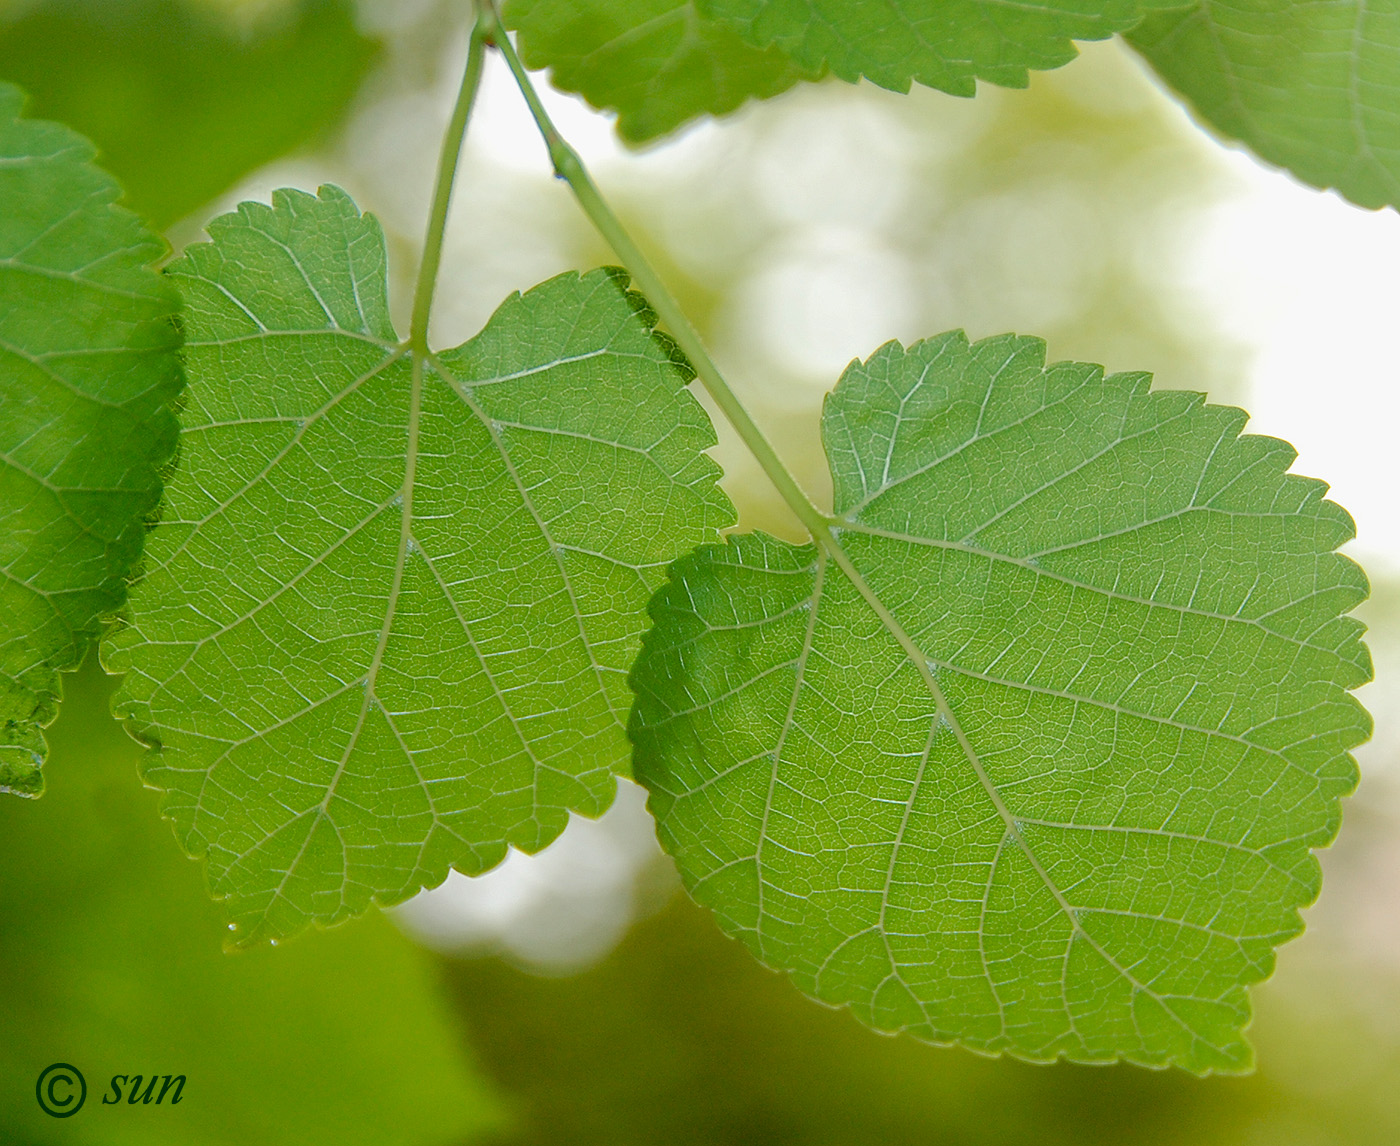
(1307, 284)
(1312, 285)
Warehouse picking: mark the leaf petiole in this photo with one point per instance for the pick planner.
(569, 167)
(442, 189)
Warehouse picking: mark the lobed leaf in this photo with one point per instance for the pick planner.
(394, 598)
(88, 370)
(657, 63)
(1312, 87)
(1031, 756)
(945, 44)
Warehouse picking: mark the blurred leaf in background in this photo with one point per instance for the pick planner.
(182, 99)
(89, 378)
(657, 63)
(110, 960)
(1312, 87)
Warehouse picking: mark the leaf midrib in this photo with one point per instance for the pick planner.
(921, 663)
(419, 364)
(415, 409)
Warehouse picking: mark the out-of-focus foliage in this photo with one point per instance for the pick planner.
(1313, 87)
(681, 1038)
(88, 374)
(947, 45)
(657, 63)
(110, 960)
(662, 63)
(181, 99)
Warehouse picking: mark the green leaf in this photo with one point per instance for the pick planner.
(394, 599)
(657, 63)
(108, 954)
(1312, 87)
(944, 44)
(1031, 756)
(181, 102)
(88, 370)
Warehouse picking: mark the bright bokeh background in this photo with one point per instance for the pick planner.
(799, 234)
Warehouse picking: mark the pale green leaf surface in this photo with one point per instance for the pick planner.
(944, 44)
(657, 63)
(1031, 759)
(1314, 88)
(392, 603)
(88, 370)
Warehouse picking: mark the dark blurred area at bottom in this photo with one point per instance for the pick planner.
(681, 1038)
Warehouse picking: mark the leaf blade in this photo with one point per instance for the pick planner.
(948, 46)
(88, 372)
(658, 63)
(374, 643)
(1310, 88)
(993, 796)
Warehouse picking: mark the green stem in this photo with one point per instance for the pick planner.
(446, 176)
(569, 167)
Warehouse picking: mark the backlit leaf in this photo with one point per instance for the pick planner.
(88, 370)
(945, 44)
(657, 63)
(1314, 88)
(394, 598)
(1031, 757)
